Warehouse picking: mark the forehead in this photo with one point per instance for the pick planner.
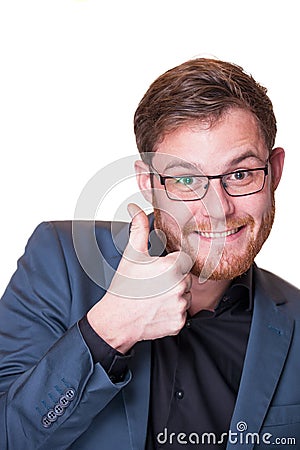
(234, 138)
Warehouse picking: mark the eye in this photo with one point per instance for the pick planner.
(186, 181)
(239, 176)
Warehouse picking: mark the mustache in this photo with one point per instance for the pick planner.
(209, 226)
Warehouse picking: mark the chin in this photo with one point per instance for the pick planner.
(224, 270)
(224, 263)
(230, 265)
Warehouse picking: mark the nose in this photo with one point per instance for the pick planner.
(217, 204)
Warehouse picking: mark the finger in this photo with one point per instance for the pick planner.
(139, 231)
(188, 298)
(185, 262)
(189, 281)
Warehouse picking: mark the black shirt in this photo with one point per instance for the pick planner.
(195, 375)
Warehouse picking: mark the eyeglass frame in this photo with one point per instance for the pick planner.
(163, 179)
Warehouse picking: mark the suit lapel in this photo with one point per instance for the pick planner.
(268, 346)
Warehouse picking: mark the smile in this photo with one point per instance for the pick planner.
(218, 234)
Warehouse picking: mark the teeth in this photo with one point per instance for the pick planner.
(222, 234)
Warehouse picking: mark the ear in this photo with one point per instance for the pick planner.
(276, 160)
(143, 178)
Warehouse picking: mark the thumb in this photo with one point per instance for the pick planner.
(139, 232)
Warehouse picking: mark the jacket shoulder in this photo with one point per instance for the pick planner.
(280, 290)
(107, 234)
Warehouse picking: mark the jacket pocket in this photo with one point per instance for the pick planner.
(282, 415)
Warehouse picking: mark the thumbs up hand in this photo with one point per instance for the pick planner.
(139, 232)
(148, 297)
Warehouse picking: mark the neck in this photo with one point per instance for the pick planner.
(206, 295)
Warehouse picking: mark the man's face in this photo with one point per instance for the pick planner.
(221, 233)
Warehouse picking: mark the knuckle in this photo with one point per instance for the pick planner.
(188, 280)
(178, 291)
(172, 260)
(165, 264)
(181, 288)
(182, 305)
(172, 256)
(180, 323)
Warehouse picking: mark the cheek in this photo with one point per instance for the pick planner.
(172, 212)
(258, 206)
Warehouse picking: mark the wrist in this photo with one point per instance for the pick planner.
(111, 330)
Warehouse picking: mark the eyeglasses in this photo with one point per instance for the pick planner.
(194, 187)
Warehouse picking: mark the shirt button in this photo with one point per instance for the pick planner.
(179, 395)
(188, 324)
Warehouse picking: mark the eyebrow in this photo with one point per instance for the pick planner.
(182, 164)
(235, 161)
(246, 155)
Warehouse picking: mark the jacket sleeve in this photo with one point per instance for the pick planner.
(50, 389)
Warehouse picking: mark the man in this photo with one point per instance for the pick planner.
(185, 345)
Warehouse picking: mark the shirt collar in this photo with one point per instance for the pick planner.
(240, 293)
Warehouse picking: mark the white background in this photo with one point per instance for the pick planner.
(72, 73)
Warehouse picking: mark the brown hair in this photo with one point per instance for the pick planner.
(200, 90)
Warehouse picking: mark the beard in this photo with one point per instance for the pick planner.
(220, 263)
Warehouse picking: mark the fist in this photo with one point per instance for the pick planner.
(148, 297)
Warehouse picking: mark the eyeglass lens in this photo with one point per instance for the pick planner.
(238, 183)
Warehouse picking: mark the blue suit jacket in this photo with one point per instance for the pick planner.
(44, 361)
